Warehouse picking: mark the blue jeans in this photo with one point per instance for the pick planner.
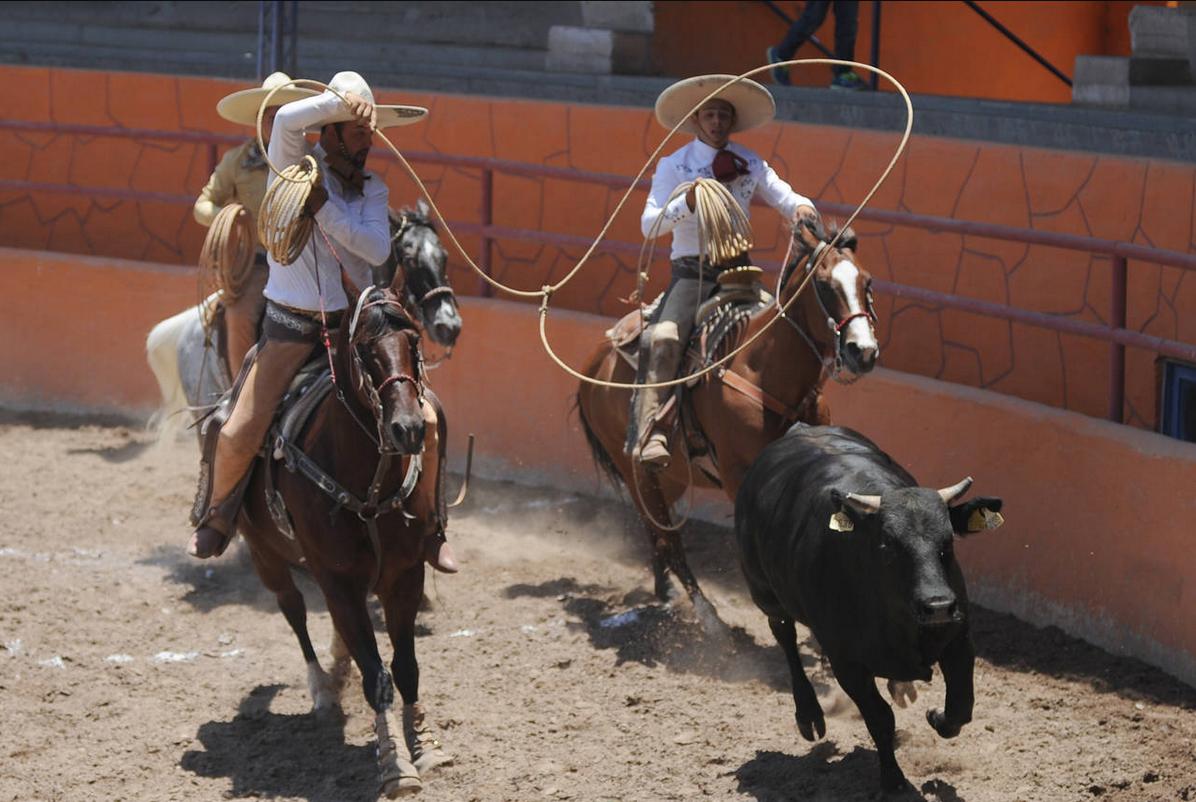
(847, 19)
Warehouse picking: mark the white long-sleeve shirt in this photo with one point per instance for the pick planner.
(357, 225)
(693, 161)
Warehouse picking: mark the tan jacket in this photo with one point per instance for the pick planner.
(239, 177)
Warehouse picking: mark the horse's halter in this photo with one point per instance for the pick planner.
(833, 365)
(360, 376)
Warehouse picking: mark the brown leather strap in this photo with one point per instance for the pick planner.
(758, 394)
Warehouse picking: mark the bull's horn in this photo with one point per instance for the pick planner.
(867, 505)
(950, 494)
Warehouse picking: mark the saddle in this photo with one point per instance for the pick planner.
(739, 293)
(718, 327)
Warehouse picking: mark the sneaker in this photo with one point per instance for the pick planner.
(848, 80)
(780, 75)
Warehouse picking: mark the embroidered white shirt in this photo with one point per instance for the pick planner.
(693, 161)
(357, 225)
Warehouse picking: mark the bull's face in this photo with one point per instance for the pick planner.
(912, 531)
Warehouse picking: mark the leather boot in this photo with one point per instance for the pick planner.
(663, 360)
(439, 554)
(219, 524)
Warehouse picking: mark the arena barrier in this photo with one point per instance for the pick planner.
(1098, 515)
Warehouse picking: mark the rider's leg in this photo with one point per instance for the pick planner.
(666, 344)
(274, 365)
(243, 316)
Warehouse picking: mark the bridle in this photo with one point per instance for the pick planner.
(831, 365)
(360, 376)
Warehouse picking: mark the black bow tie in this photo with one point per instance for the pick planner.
(728, 166)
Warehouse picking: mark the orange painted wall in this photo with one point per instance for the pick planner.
(1141, 200)
(935, 47)
(1097, 540)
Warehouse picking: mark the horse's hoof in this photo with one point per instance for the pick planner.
(426, 752)
(400, 786)
(432, 759)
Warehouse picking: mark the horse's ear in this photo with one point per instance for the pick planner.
(847, 239)
(807, 233)
(421, 206)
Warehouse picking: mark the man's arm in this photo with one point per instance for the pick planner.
(777, 193)
(287, 142)
(663, 183)
(219, 190)
(368, 236)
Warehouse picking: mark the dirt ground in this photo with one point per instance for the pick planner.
(131, 672)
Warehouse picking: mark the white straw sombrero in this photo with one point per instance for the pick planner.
(241, 107)
(388, 116)
(753, 104)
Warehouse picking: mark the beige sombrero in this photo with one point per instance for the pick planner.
(388, 116)
(753, 104)
(241, 107)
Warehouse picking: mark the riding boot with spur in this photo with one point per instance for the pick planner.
(663, 360)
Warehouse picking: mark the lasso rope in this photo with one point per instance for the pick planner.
(227, 253)
(283, 227)
(545, 293)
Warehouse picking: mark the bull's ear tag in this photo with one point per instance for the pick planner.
(840, 522)
(983, 518)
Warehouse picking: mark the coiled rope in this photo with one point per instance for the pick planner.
(545, 293)
(281, 224)
(227, 254)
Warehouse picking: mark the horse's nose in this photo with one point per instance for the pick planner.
(407, 435)
(862, 358)
(446, 326)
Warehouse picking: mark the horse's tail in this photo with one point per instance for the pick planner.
(162, 354)
(602, 459)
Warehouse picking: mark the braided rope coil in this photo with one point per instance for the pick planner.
(282, 226)
(226, 258)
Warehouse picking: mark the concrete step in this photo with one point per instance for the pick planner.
(1158, 32)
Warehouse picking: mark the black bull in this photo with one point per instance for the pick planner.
(873, 576)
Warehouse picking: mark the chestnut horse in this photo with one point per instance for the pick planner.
(776, 381)
(359, 522)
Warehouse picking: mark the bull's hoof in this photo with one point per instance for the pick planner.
(893, 784)
(902, 693)
(811, 727)
(938, 720)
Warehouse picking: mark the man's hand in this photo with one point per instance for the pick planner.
(804, 212)
(315, 200)
(362, 109)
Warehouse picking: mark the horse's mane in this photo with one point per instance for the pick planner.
(382, 312)
(827, 234)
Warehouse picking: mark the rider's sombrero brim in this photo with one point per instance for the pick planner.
(753, 103)
(388, 116)
(241, 107)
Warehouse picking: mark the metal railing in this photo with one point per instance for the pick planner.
(1119, 253)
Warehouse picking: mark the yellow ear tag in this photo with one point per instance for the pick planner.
(984, 518)
(840, 522)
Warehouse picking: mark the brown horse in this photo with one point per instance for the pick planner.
(366, 446)
(772, 383)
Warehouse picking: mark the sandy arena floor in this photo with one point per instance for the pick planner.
(131, 672)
